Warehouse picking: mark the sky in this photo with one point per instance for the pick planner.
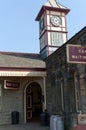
(19, 32)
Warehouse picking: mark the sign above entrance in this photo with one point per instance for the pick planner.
(76, 54)
(11, 84)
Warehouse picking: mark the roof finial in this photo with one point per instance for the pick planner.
(52, 2)
(55, 4)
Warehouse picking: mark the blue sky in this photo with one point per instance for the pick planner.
(19, 32)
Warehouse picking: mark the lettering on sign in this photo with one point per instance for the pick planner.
(11, 84)
(76, 54)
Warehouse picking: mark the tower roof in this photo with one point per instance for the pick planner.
(55, 4)
(52, 5)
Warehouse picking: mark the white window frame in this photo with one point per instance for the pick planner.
(56, 38)
(42, 42)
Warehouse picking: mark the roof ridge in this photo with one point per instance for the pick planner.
(24, 53)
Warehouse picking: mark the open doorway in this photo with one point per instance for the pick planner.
(33, 102)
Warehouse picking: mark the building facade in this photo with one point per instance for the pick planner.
(66, 71)
(22, 86)
(54, 79)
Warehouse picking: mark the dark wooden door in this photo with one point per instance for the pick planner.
(33, 101)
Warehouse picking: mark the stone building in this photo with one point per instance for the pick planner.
(22, 84)
(66, 71)
(54, 79)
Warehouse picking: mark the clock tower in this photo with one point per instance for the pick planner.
(52, 27)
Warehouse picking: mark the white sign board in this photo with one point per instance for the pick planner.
(82, 119)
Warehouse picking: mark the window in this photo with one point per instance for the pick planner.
(77, 94)
(56, 38)
(42, 42)
(42, 24)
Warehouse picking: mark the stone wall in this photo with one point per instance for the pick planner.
(66, 84)
(11, 100)
(56, 64)
(14, 100)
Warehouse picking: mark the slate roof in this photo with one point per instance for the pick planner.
(21, 60)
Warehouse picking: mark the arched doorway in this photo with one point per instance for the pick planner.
(33, 102)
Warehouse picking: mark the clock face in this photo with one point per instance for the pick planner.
(55, 20)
